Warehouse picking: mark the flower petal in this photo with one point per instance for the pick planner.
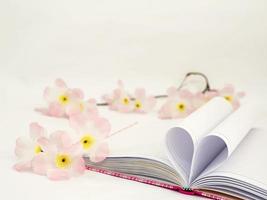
(78, 122)
(73, 108)
(90, 107)
(210, 94)
(77, 93)
(228, 89)
(45, 144)
(103, 126)
(164, 112)
(140, 93)
(36, 131)
(186, 94)
(23, 166)
(235, 104)
(61, 139)
(172, 91)
(78, 166)
(99, 153)
(60, 83)
(40, 164)
(56, 110)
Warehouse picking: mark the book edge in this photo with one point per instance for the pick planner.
(186, 191)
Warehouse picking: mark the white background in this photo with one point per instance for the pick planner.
(92, 43)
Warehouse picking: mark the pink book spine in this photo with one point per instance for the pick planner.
(156, 183)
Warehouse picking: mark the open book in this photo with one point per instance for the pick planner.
(215, 152)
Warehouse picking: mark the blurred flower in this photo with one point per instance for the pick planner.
(27, 148)
(201, 98)
(178, 104)
(142, 102)
(82, 107)
(229, 93)
(119, 100)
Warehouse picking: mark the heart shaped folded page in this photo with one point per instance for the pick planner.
(207, 137)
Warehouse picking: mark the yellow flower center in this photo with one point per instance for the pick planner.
(63, 161)
(138, 104)
(87, 141)
(229, 98)
(125, 101)
(38, 149)
(181, 107)
(63, 99)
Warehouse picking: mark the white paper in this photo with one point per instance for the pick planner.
(182, 140)
(145, 139)
(248, 164)
(224, 139)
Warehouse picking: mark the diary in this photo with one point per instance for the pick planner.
(215, 152)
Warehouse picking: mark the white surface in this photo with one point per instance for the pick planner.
(93, 43)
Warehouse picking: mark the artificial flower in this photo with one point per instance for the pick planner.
(64, 102)
(177, 105)
(92, 132)
(27, 148)
(61, 158)
(119, 100)
(229, 93)
(142, 102)
(200, 98)
(82, 107)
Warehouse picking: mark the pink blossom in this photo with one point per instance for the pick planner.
(60, 160)
(82, 107)
(92, 132)
(59, 97)
(178, 104)
(229, 93)
(201, 98)
(27, 148)
(119, 100)
(142, 102)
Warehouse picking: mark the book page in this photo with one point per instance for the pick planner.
(145, 139)
(182, 140)
(140, 149)
(219, 144)
(247, 165)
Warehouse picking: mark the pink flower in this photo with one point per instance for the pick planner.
(178, 104)
(119, 100)
(82, 107)
(59, 97)
(228, 92)
(27, 148)
(201, 98)
(142, 102)
(92, 132)
(60, 160)
(56, 157)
